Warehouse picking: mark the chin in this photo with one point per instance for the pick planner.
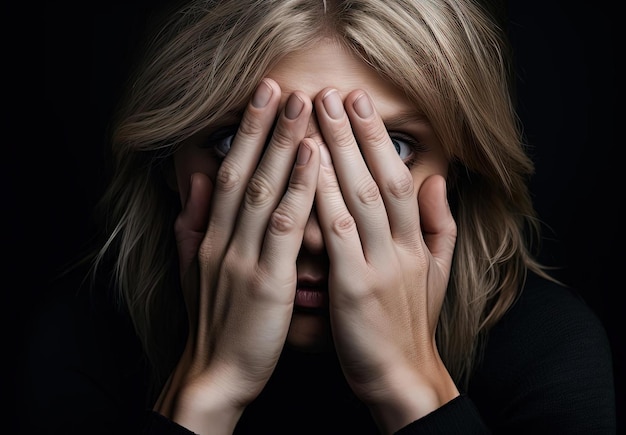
(310, 332)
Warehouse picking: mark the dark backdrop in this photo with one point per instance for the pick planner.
(566, 54)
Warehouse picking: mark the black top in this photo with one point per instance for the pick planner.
(547, 369)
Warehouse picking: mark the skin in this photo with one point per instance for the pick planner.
(328, 198)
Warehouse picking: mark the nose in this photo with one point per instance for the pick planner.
(313, 240)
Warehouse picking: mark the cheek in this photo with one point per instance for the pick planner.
(190, 159)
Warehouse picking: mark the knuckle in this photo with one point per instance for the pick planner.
(299, 185)
(281, 223)
(343, 137)
(282, 138)
(233, 263)
(250, 125)
(210, 250)
(368, 192)
(422, 263)
(206, 255)
(343, 225)
(330, 185)
(401, 186)
(228, 176)
(230, 258)
(377, 138)
(259, 192)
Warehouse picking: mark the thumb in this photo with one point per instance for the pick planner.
(438, 225)
(191, 223)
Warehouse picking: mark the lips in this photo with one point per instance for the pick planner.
(311, 294)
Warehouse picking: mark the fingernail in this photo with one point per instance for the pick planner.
(325, 156)
(304, 153)
(333, 104)
(363, 106)
(294, 106)
(262, 95)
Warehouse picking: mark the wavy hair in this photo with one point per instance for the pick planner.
(448, 56)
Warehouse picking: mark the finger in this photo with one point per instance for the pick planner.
(190, 225)
(338, 225)
(189, 230)
(361, 194)
(286, 226)
(269, 182)
(388, 170)
(438, 225)
(241, 161)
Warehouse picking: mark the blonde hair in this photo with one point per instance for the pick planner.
(447, 55)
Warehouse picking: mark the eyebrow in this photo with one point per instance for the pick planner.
(401, 119)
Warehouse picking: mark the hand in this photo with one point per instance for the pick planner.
(390, 252)
(241, 307)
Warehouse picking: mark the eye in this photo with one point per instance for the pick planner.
(220, 140)
(406, 146)
(402, 148)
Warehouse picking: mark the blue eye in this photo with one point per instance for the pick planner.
(408, 147)
(405, 147)
(220, 141)
(222, 146)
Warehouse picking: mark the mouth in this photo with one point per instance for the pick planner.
(311, 296)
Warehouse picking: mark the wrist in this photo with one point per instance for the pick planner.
(412, 395)
(204, 410)
(211, 400)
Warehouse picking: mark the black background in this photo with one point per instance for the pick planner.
(566, 56)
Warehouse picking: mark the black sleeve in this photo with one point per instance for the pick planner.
(156, 424)
(547, 367)
(82, 370)
(458, 416)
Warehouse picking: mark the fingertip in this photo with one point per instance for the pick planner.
(304, 154)
(304, 97)
(362, 105)
(274, 86)
(266, 91)
(199, 190)
(433, 203)
(433, 187)
(323, 93)
(271, 83)
(308, 158)
(311, 143)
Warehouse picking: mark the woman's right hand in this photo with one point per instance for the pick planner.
(239, 290)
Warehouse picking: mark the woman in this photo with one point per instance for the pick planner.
(319, 222)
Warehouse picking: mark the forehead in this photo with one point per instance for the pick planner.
(329, 64)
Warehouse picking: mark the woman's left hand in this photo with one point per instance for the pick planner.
(390, 249)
